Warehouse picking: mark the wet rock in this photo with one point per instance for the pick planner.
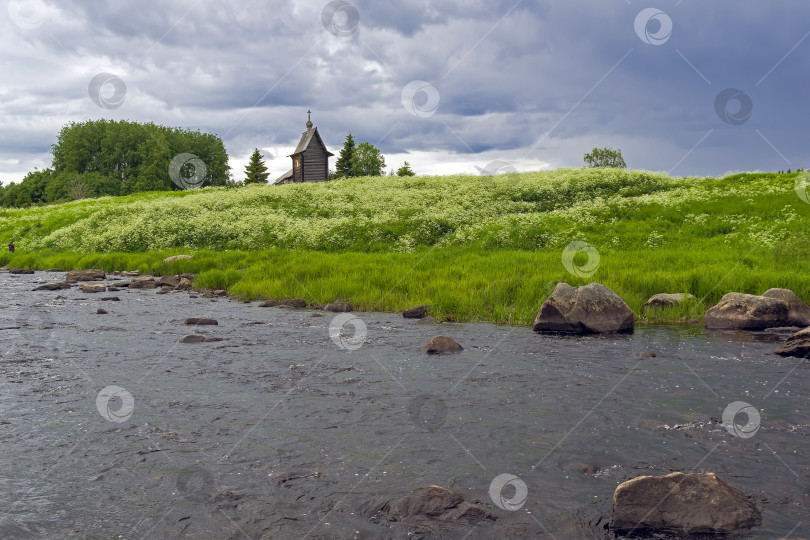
(442, 345)
(20, 271)
(176, 258)
(220, 292)
(433, 502)
(193, 296)
(270, 303)
(170, 281)
(416, 312)
(427, 320)
(201, 321)
(110, 299)
(163, 290)
(213, 339)
(53, 286)
(193, 338)
(665, 300)
(682, 503)
(590, 309)
(92, 287)
(747, 312)
(796, 345)
(85, 275)
(798, 311)
(783, 330)
(183, 285)
(101, 311)
(296, 303)
(339, 307)
(143, 282)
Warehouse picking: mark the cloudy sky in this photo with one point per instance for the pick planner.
(687, 87)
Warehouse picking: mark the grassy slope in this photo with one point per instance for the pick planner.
(476, 248)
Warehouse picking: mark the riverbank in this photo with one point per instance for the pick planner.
(474, 248)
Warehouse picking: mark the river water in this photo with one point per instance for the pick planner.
(113, 428)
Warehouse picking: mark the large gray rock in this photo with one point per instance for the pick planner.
(53, 286)
(796, 345)
(85, 275)
(747, 312)
(442, 345)
(590, 309)
(798, 311)
(666, 300)
(433, 502)
(92, 287)
(176, 258)
(143, 282)
(682, 504)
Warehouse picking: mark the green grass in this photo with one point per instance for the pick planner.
(475, 248)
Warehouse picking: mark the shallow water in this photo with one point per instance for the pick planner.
(216, 428)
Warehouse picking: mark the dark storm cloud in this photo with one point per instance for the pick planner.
(543, 81)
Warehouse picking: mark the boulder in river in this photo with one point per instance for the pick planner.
(53, 286)
(85, 275)
(442, 345)
(796, 345)
(798, 311)
(93, 287)
(20, 271)
(142, 282)
(666, 300)
(110, 299)
(682, 504)
(201, 321)
(176, 258)
(416, 312)
(339, 307)
(433, 502)
(590, 309)
(101, 311)
(747, 312)
(169, 281)
(193, 338)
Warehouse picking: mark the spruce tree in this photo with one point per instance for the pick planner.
(405, 170)
(345, 163)
(256, 170)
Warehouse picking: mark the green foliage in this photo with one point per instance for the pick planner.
(256, 170)
(345, 163)
(605, 157)
(108, 157)
(405, 170)
(368, 160)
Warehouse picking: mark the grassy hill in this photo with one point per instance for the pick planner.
(476, 248)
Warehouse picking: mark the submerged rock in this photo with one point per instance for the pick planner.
(590, 309)
(193, 338)
(796, 345)
(428, 320)
(747, 312)
(85, 275)
(201, 321)
(683, 504)
(442, 345)
(53, 286)
(416, 312)
(270, 303)
(433, 502)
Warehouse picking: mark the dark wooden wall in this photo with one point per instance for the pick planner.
(315, 163)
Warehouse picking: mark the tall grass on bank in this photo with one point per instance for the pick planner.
(463, 284)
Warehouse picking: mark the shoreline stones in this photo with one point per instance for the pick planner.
(798, 311)
(416, 312)
(339, 307)
(20, 271)
(738, 311)
(442, 345)
(796, 345)
(682, 503)
(590, 309)
(666, 300)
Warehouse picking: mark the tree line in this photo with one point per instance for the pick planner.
(109, 157)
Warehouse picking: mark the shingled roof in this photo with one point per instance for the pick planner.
(306, 138)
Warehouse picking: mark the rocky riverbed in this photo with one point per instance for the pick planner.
(290, 423)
